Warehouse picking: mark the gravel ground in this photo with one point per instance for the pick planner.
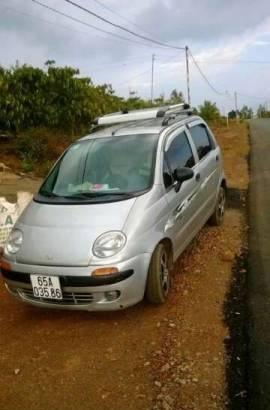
(168, 357)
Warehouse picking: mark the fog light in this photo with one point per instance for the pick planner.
(112, 295)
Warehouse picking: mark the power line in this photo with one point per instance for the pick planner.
(23, 13)
(101, 67)
(117, 64)
(125, 63)
(170, 58)
(204, 76)
(253, 61)
(148, 71)
(134, 41)
(233, 61)
(251, 97)
(121, 27)
(87, 24)
(122, 17)
(133, 78)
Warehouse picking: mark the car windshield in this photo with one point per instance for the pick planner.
(103, 167)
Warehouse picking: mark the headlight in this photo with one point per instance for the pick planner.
(14, 241)
(109, 244)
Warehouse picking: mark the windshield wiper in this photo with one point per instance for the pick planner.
(88, 195)
(84, 195)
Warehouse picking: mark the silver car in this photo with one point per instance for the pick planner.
(117, 209)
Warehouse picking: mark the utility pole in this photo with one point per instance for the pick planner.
(227, 111)
(236, 106)
(225, 114)
(187, 73)
(152, 78)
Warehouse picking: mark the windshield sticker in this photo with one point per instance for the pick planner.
(99, 187)
(89, 187)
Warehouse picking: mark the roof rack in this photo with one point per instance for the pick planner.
(167, 112)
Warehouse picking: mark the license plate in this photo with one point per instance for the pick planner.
(46, 287)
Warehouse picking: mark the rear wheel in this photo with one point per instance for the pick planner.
(158, 282)
(218, 215)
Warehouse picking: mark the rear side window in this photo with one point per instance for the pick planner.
(179, 155)
(202, 140)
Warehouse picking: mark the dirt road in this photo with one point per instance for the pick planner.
(168, 357)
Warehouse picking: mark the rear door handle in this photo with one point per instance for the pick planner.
(198, 176)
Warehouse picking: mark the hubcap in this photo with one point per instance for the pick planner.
(221, 205)
(164, 273)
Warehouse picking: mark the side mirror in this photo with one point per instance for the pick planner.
(181, 175)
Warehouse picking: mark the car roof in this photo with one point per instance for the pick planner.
(150, 126)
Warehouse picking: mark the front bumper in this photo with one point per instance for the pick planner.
(81, 291)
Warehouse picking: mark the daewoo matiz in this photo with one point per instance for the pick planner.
(116, 211)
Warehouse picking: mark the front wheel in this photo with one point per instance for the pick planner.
(158, 282)
(218, 215)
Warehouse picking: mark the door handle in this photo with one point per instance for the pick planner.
(198, 176)
(217, 158)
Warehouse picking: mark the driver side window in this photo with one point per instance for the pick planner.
(179, 155)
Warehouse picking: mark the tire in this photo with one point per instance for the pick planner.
(158, 281)
(218, 216)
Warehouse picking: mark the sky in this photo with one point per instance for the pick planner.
(230, 40)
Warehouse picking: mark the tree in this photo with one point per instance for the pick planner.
(176, 97)
(209, 111)
(58, 98)
(262, 112)
(232, 114)
(55, 97)
(50, 63)
(160, 100)
(246, 112)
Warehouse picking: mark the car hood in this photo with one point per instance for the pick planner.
(63, 235)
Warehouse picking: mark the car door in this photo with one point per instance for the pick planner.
(182, 206)
(208, 167)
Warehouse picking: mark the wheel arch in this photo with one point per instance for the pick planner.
(169, 246)
(224, 184)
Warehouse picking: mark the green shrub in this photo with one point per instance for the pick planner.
(209, 111)
(44, 168)
(27, 166)
(32, 147)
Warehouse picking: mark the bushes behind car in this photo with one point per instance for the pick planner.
(38, 148)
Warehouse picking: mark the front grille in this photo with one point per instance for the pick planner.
(69, 298)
